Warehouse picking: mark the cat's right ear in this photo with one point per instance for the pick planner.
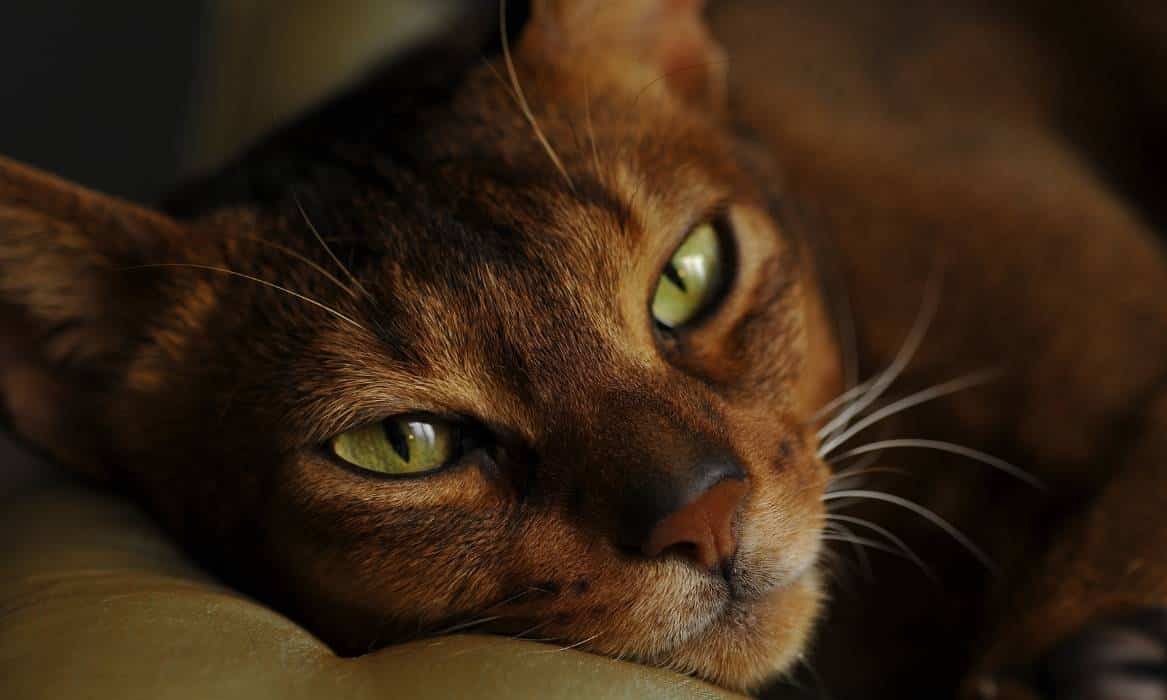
(69, 312)
(657, 44)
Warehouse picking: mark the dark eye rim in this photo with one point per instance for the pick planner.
(727, 240)
(471, 437)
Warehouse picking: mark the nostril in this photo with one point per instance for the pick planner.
(684, 550)
(698, 546)
(693, 553)
(702, 530)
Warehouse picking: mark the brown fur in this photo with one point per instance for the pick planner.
(500, 239)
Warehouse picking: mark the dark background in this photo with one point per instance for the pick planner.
(100, 92)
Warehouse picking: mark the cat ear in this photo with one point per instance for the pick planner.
(668, 39)
(68, 310)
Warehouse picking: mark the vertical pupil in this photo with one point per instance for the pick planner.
(674, 276)
(397, 440)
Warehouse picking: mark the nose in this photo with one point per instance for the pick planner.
(701, 529)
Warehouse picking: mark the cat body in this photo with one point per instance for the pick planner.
(938, 138)
(477, 243)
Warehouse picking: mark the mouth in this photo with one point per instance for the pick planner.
(752, 638)
(751, 586)
(761, 624)
(762, 572)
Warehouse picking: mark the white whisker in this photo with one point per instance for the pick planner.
(863, 467)
(846, 534)
(952, 448)
(580, 643)
(923, 513)
(860, 542)
(839, 400)
(861, 470)
(532, 628)
(464, 626)
(510, 599)
(923, 396)
(907, 351)
(836, 518)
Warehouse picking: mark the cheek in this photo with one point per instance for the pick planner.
(424, 550)
(754, 644)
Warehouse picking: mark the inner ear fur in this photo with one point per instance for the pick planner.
(668, 40)
(68, 310)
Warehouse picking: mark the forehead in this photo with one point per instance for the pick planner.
(486, 265)
(470, 200)
(482, 292)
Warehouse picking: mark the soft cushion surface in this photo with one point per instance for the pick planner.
(96, 603)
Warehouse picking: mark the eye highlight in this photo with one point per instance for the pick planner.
(400, 446)
(691, 279)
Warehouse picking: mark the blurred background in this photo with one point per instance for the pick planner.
(131, 96)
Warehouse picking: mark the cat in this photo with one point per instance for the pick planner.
(559, 332)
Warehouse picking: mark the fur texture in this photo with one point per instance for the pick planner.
(480, 239)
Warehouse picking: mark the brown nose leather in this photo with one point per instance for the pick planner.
(702, 530)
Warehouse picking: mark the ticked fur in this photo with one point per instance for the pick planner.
(480, 239)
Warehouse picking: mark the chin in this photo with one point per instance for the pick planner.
(752, 642)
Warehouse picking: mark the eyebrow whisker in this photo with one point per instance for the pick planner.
(257, 280)
(342, 266)
(302, 258)
(521, 99)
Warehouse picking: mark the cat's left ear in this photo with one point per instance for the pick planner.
(70, 312)
(653, 43)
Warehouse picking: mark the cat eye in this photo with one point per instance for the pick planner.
(691, 279)
(400, 446)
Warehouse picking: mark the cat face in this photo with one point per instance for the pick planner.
(422, 377)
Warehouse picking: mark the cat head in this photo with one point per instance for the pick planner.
(519, 345)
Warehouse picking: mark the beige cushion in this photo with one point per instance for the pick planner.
(96, 603)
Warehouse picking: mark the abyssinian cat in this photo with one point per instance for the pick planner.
(557, 333)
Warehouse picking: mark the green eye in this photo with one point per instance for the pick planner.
(691, 279)
(399, 446)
